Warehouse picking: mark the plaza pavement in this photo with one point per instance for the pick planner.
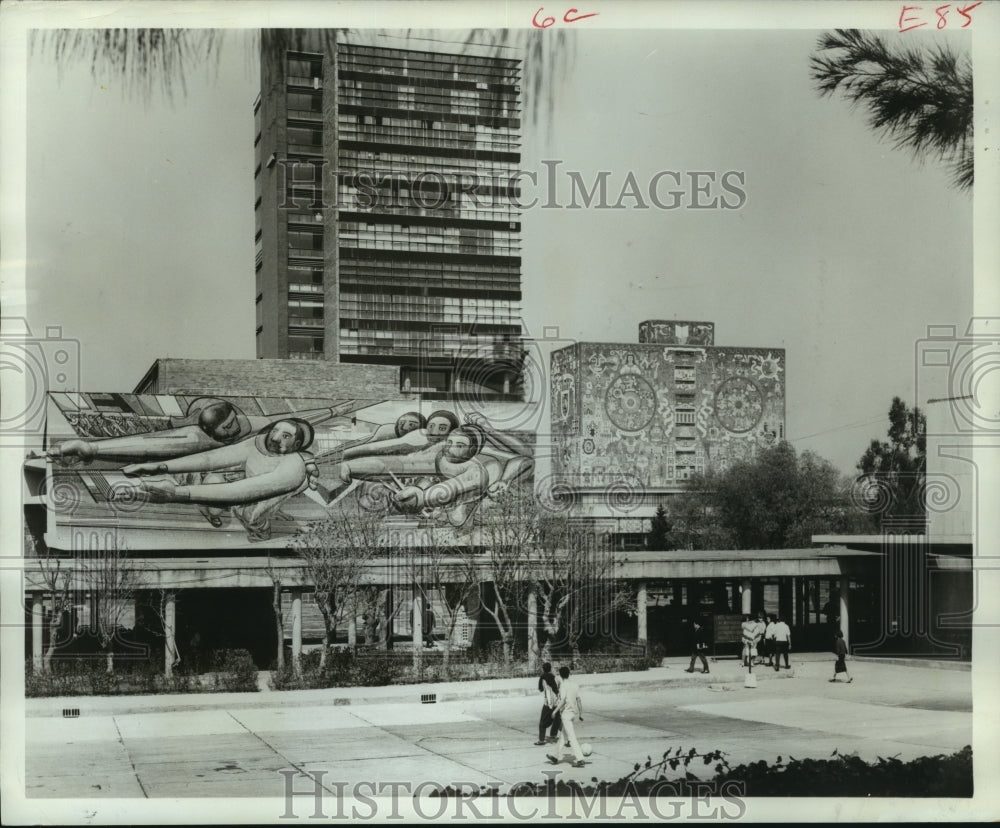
(234, 745)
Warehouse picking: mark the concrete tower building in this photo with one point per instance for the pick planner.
(386, 212)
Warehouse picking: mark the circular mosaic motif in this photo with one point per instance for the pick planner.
(738, 404)
(630, 402)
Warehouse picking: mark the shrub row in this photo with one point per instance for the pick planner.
(232, 671)
(376, 669)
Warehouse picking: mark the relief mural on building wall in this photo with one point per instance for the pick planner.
(267, 466)
(661, 413)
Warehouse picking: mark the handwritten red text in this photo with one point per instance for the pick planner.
(571, 16)
(915, 17)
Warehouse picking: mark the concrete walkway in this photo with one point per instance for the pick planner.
(245, 745)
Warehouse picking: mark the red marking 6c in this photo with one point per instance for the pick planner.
(571, 16)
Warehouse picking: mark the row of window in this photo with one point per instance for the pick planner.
(446, 101)
(429, 65)
(434, 233)
(422, 133)
(372, 241)
(456, 130)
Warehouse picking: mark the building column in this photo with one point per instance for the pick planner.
(641, 602)
(533, 628)
(845, 618)
(352, 632)
(169, 633)
(37, 630)
(418, 627)
(746, 597)
(297, 630)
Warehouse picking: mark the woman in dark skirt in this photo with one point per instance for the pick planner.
(549, 718)
(840, 648)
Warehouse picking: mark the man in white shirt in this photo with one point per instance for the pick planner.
(781, 635)
(570, 708)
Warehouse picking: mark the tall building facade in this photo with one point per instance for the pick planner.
(387, 226)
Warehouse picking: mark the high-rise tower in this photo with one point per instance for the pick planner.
(386, 207)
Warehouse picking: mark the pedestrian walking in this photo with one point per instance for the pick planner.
(699, 646)
(748, 632)
(767, 645)
(550, 718)
(781, 635)
(840, 648)
(759, 628)
(570, 709)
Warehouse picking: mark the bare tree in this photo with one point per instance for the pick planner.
(448, 579)
(371, 605)
(277, 575)
(166, 628)
(337, 552)
(113, 582)
(508, 531)
(58, 581)
(593, 582)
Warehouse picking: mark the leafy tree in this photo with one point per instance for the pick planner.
(893, 470)
(920, 99)
(777, 500)
(659, 536)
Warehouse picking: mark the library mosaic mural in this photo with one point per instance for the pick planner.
(261, 468)
(661, 412)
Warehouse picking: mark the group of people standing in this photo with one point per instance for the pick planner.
(766, 637)
(562, 708)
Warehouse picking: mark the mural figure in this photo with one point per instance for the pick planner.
(461, 466)
(410, 432)
(274, 466)
(209, 424)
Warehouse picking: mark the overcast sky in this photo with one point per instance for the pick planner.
(140, 218)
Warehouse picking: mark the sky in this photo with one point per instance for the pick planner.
(140, 217)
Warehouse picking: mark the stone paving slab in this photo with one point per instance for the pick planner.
(486, 739)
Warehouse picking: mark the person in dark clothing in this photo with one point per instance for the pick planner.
(699, 646)
(840, 649)
(550, 718)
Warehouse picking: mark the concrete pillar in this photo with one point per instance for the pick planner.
(845, 618)
(37, 630)
(296, 629)
(418, 627)
(169, 633)
(641, 602)
(746, 597)
(533, 652)
(352, 632)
